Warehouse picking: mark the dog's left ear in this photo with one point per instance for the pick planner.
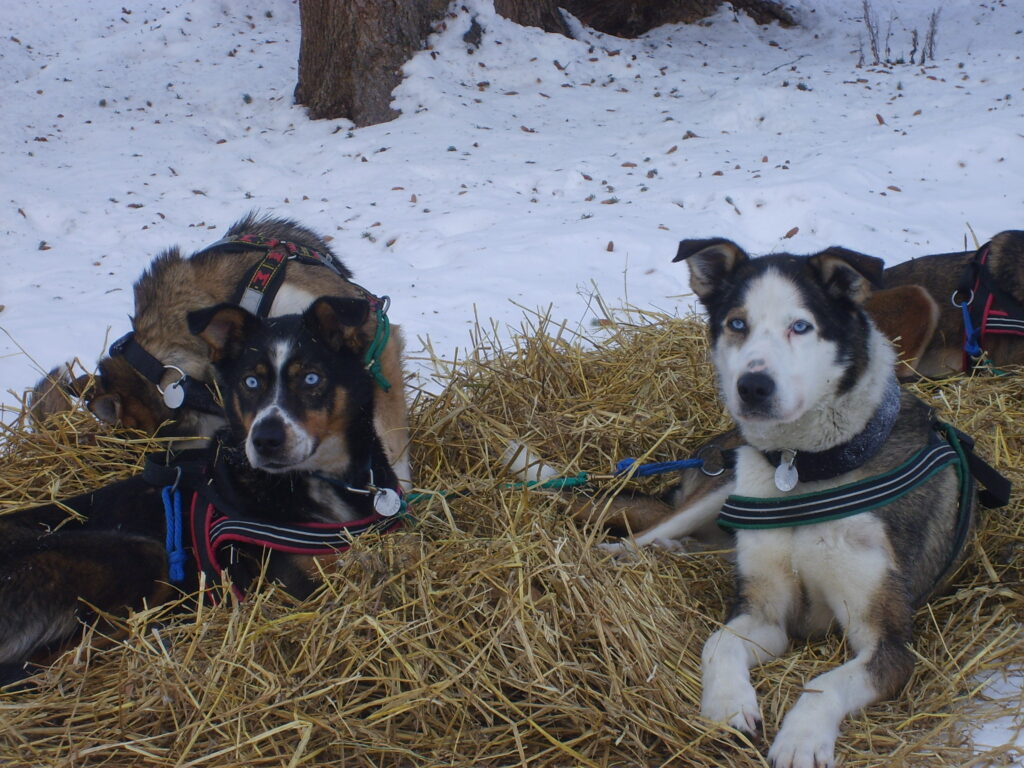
(339, 322)
(711, 262)
(846, 273)
(223, 327)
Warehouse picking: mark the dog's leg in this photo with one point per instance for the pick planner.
(878, 624)
(47, 584)
(689, 519)
(767, 593)
(390, 412)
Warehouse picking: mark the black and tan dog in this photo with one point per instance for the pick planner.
(845, 501)
(157, 376)
(301, 463)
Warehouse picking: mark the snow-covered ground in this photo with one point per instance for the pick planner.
(528, 172)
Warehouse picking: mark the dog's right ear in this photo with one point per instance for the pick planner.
(711, 262)
(339, 322)
(223, 327)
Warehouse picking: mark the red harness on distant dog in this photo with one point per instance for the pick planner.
(988, 310)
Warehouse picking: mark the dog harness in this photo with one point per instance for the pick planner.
(214, 527)
(987, 309)
(850, 498)
(255, 294)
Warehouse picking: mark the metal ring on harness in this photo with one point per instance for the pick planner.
(958, 305)
(173, 394)
(708, 449)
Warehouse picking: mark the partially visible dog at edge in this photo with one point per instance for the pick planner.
(810, 382)
(300, 450)
(285, 267)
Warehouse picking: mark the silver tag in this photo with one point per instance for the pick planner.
(387, 502)
(174, 395)
(786, 476)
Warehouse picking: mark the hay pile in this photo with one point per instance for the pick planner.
(495, 633)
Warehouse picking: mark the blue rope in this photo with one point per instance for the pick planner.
(176, 555)
(971, 334)
(642, 470)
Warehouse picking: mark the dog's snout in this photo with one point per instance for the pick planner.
(268, 436)
(755, 388)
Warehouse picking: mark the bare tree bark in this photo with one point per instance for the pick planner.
(352, 51)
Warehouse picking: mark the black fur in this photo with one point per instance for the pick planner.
(113, 557)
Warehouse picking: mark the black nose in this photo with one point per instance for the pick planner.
(755, 388)
(268, 436)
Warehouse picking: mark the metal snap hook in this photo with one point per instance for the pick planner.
(958, 305)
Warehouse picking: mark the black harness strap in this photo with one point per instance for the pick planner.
(256, 292)
(185, 391)
(215, 524)
(841, 501)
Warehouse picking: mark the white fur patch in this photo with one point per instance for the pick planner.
(802, 366)
(291, 300)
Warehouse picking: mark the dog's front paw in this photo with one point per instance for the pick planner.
(733, 705)
(803, 744)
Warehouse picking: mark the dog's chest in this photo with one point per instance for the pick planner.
(817, 562)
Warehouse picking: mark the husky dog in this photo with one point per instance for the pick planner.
(810, 383)
(135, 390)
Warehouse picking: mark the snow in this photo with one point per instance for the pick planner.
(529, 172)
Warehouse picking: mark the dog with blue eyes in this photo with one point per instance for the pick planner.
(850, 503)
(298, 471)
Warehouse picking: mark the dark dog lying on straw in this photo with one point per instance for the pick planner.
(947, 309)
(300, 471)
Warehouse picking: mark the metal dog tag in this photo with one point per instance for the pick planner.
(174, 395)
(387, 502)
(786, 476)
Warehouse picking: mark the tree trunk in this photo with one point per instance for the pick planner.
(630, 18)
(352, 51)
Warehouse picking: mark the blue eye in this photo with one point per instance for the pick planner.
(737, 324)
(312, 379)
(251, 382)
(801, 327)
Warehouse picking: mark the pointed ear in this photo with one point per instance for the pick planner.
(846, 273)
(223, 327)
(339, 322)
(711, 262)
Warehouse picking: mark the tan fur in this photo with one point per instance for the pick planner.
(908, 316)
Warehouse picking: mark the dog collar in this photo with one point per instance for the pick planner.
(184, 391)
(800, 466)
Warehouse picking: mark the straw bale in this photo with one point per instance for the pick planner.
(495, 632)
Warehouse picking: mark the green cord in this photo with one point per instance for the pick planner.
(555, 483)
(380, 339)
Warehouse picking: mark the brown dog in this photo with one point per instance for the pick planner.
(920, 307)
(142, 385)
